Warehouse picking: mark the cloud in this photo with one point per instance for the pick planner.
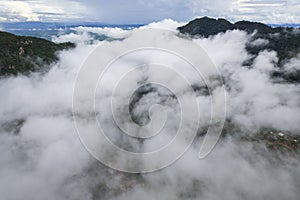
(267, 11)
(41, 10)
(141, 11)
(43, 158)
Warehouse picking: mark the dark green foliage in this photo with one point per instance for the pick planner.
(205, 26)
(19, 54)
(252, 26)
(285, 41)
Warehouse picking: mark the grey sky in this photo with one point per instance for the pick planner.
(144, 11)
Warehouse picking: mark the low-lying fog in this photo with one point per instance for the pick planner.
(42, 156)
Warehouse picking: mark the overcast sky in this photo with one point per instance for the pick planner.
(144, 11)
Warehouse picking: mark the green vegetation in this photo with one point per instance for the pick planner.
(281, 141)
(285, 41)
(19, 54)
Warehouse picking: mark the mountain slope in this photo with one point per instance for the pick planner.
(20, 54)
(285, 41)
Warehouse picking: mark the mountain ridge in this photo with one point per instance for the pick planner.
(286, 44)
(24, 54)
(285, 41)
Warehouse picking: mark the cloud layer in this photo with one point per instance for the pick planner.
(43, 158)
(142, 11)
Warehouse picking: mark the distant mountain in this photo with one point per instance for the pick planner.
(46, 30)
(19, 54)
(284, 40)
(285, 25)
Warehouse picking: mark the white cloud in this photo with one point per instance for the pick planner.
(41, 10)
(267, 11)
(47, 161)
(15, 10)
(142, 11)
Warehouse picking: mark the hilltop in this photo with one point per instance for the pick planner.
(22, 55)
(284, 40)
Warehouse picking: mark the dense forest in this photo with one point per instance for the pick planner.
(283, 40)
(19, 54)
